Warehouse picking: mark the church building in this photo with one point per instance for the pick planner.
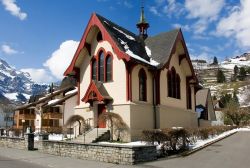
(148, 80)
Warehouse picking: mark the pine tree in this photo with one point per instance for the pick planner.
(220, 77)
(236, 70)
(215, 62)
(242, 73)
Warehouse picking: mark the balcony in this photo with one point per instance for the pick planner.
(52, 129)
(26, 116)
(50, 115)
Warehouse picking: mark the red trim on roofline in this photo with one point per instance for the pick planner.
(94, 21)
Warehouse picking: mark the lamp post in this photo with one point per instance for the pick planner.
(23, 121)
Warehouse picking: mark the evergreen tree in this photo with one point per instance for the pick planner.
(242, 73)
(220, 76)
(248, 70)
(236, 70)
(215, 62)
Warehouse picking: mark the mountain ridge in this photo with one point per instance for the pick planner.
(17, 86)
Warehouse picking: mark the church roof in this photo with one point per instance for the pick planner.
(155, 50)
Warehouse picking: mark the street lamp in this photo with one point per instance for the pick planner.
(23, 121)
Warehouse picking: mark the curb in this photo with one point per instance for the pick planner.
(206, 145)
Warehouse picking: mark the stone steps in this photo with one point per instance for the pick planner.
(91, 136)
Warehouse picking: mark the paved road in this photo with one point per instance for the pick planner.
(232, 152)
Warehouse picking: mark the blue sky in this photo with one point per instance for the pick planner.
(40, 36)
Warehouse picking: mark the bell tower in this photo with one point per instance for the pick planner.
(142, 25)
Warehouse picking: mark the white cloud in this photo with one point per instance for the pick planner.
(172, 7)
(154, 10)
(208, 9)
(237, 24)
(128, 4)
(10, 5)
(202, 56)
(61, 58)
(205, 11)
(39, 75)
(183, 27)
(8, 50)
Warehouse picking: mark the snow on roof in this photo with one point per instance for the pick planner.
(106, 22)
(53, 101)
(148, 51)
(130, 53)
(128, 36)
(72, 91)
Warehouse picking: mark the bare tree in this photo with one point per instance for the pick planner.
(114, 122)
(236, 114)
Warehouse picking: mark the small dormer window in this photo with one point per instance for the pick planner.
(99, 36)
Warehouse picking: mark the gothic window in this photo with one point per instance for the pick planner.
(142, 85)
(101, 67)
(173, 84)
(94, 69)
(108, 68)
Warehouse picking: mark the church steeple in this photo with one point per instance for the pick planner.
(142, 25)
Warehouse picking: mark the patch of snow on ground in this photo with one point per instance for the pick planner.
(243, 95)
(136, 143)
(200, 143)
(128, 36)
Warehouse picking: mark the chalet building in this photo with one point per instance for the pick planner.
(148, 80)
(44, 113)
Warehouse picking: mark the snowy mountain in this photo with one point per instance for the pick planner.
(17, 86)
(207, 75)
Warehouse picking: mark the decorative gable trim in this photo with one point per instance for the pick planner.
(94, 93)
(94, 21)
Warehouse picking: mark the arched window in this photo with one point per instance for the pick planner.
(173, 84)
(101, 67)
(142, 85)
(93, 69)
(108, 68)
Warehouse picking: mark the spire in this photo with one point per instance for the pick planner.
(142, 25)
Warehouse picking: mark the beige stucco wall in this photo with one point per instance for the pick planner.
(142, 118)
(169, 101)
(135, 84)
(169, 116)
(69, 108)
(116, 88)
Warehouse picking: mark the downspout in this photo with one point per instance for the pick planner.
(154, 98)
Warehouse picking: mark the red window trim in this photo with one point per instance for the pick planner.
(96, 58)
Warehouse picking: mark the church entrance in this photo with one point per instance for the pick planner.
(101, 109)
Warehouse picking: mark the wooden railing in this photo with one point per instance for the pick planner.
(50, 115)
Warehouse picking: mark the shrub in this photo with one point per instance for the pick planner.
(175, 140)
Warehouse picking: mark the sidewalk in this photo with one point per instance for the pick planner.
(52, 161)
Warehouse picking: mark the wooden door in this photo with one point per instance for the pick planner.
(101, 109)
